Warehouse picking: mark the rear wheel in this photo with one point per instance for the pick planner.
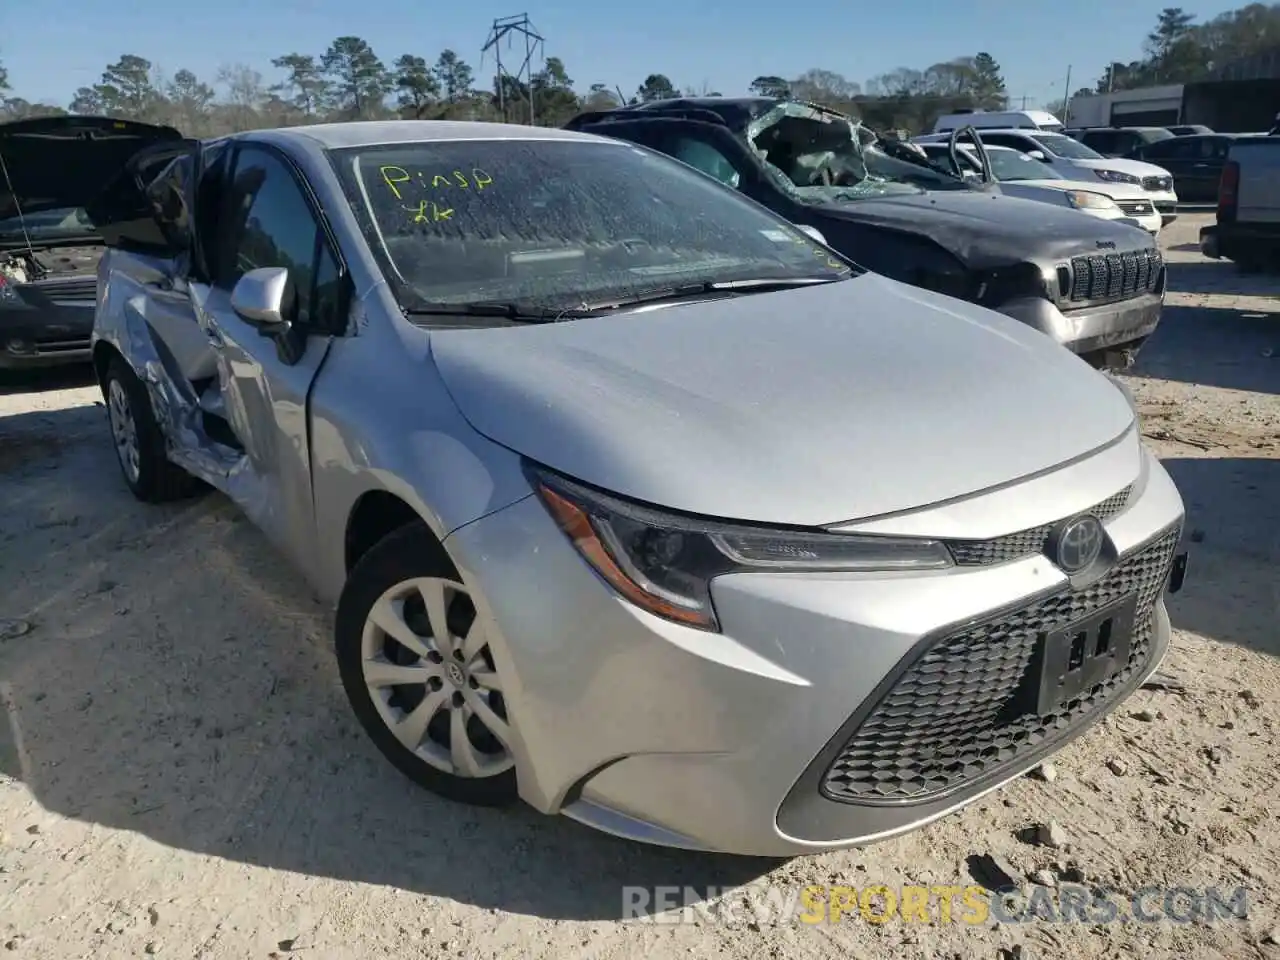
(418, 670)
(138, 440)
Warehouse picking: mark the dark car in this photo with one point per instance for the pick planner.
(1095, 287)
(1196, 163)
(1189, 130)
(1121, 141)
(53, 169)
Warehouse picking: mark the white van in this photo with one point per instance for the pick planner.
(1005, 120)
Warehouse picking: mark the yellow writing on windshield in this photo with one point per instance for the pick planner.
(399, 180)
(818, 252)
(428, 212)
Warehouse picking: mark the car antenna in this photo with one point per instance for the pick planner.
(17, 205)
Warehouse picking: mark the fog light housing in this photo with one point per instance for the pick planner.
(20, 348)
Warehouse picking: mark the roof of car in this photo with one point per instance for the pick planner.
(369, 133)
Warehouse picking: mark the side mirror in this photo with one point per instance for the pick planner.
(263, 298)
(1037, 155)
(813, 233)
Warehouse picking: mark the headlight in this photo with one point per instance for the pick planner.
(1086, 200)
(664, 562)
(1115, 176)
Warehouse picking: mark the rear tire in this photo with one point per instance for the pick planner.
(139, 443)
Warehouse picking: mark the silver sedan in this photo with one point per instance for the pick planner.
(636, 502)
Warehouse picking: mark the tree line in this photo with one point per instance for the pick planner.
(1180, 50)
(349, 81)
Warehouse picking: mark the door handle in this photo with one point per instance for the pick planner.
(164, 283)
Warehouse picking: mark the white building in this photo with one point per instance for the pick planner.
(1145, 107)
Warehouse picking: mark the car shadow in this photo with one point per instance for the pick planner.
(163, 672)
(40, 381)
(1233, 535)
(1215, 346)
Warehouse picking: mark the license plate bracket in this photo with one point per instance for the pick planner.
(1078, 656)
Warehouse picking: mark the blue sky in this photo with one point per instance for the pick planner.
(723, 45)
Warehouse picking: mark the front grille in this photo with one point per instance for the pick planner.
(53, 348)
(75, 288)
(1158, 184)
(1114, 276)
(1135, 206)
(1026, 543)
(966, 708)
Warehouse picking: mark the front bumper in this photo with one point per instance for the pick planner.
(1087, 329)
(1166, 205)
(669, 735)
(34, 339)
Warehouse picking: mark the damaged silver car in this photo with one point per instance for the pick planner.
(635, 501)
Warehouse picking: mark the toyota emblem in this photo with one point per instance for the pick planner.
(1078, 543)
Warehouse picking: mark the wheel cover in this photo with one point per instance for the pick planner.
(123, 429)
(426, 662)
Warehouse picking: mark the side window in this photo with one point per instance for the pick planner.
(703, 156)
(1102, 140)
(267, 222)
(1213, 149)
(1014, 140)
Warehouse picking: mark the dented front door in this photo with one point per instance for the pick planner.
(266, 220)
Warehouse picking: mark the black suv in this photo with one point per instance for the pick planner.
(1095, 286)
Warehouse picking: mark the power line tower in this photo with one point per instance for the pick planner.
(503, 28)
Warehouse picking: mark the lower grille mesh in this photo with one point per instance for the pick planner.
(967, 707)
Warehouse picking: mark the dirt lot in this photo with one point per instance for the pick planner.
(180, 775)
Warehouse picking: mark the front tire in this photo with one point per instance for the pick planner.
(417, 669)
(139, 442)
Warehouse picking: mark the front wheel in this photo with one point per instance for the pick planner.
(416, 665)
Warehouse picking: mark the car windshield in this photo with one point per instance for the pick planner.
(818, 156)
(48, 226)
(1012, 165)
(561, 223)
(1063, 146)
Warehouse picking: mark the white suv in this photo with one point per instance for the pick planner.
(1074, 161)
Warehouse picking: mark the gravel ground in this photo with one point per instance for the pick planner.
(180, 774)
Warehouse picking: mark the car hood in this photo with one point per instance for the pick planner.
(1139, 168)
(987, 231)
(56, 162)
(811, 406)
(1116, 191)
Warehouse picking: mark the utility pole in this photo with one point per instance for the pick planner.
(1066, 98)
(502, 28)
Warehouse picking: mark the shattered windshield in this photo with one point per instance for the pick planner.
(818, 156)
(560, 223)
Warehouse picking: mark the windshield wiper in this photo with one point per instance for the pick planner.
(515, 312)
(685, 291)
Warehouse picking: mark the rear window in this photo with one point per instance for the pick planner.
(560, 222)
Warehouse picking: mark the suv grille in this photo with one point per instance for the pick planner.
(1135, 206)
(1157, 183)
(966, 708)
(1026, 543)
(1114, 276)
